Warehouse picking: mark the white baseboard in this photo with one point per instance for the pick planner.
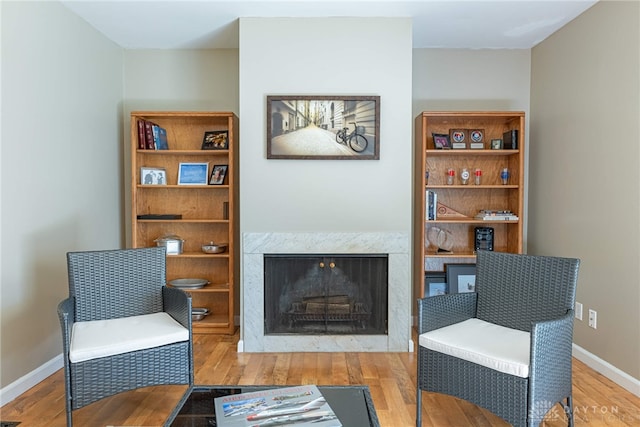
(19, 386)
(619, 377)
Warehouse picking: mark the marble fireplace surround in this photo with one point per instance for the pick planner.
(256, 245)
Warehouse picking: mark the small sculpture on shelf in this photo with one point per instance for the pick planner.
(442, 239)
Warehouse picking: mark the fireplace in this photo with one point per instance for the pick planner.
(325, 294)
(392, 245)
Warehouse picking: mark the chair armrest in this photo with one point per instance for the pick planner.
(444, 310)
(177, 303)
(551, 359)
(67, 315)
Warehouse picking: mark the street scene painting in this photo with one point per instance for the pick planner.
(323, 127)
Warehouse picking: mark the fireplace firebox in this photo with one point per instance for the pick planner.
(325, 294)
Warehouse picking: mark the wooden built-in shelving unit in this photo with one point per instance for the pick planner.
(209, 212)
(467, 199)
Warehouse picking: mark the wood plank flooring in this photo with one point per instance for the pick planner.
(390, 377)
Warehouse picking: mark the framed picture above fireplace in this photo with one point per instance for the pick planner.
(323, 127)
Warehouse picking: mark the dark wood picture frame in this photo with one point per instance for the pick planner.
(459, 278)
(435, 283)
(218, 174)
(323, 127)
(216, 140)
(441, 141)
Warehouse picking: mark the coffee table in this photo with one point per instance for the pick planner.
(352, 404)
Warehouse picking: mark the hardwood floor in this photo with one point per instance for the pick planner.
(390, 377)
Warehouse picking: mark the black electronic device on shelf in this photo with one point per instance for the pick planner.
(483, 239)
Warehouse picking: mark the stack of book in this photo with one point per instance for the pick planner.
(432, 205)
(489, 215)
(151, 136)
(300, 406)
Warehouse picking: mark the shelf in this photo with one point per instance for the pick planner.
(470, 221)
(470, 187)
(212, 320)
(183, 187)
(185, 152)
(203, 255)
(467, 153)
(184, 221)
(450, 255)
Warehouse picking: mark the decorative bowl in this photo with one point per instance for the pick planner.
(214, 248)
(198, 313)
(189, 283)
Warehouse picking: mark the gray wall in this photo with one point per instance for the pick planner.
(585, 155)
(61, 169)
(326, 195)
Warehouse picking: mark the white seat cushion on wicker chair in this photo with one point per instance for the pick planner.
(474, 340)
(100, 338)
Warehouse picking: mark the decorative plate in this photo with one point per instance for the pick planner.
(188, 283)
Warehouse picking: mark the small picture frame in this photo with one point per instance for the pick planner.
(496, 144)
(153, 176)
(216, 140)
(461, 278)
(435, 283)
(193, 173)
(218, 173)
(441, 141)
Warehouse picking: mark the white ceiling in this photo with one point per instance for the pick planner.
(209, 24)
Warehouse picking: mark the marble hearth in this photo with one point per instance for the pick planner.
(394, 245)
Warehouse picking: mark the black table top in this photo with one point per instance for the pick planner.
(352, 404)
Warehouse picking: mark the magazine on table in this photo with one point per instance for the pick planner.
(283, 406)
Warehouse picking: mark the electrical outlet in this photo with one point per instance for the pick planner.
(578, 311)
(593, 319)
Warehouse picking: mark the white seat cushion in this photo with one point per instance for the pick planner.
(474, 340)
(101, 338)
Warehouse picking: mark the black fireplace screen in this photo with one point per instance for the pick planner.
(326, 294)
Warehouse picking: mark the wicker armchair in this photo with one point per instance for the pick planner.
(118, 294)
(528, 297)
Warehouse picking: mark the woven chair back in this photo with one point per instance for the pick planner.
(116, 283)
(515, 290)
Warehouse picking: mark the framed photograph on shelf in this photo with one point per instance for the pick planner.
(496, 144)
(441, 141)
(216, 140)
(461, 278)
(153, 176)
(435, 283)
(323, 127)
(218, 173)
(193, 174)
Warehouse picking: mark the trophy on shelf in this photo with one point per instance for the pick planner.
(442, 239)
